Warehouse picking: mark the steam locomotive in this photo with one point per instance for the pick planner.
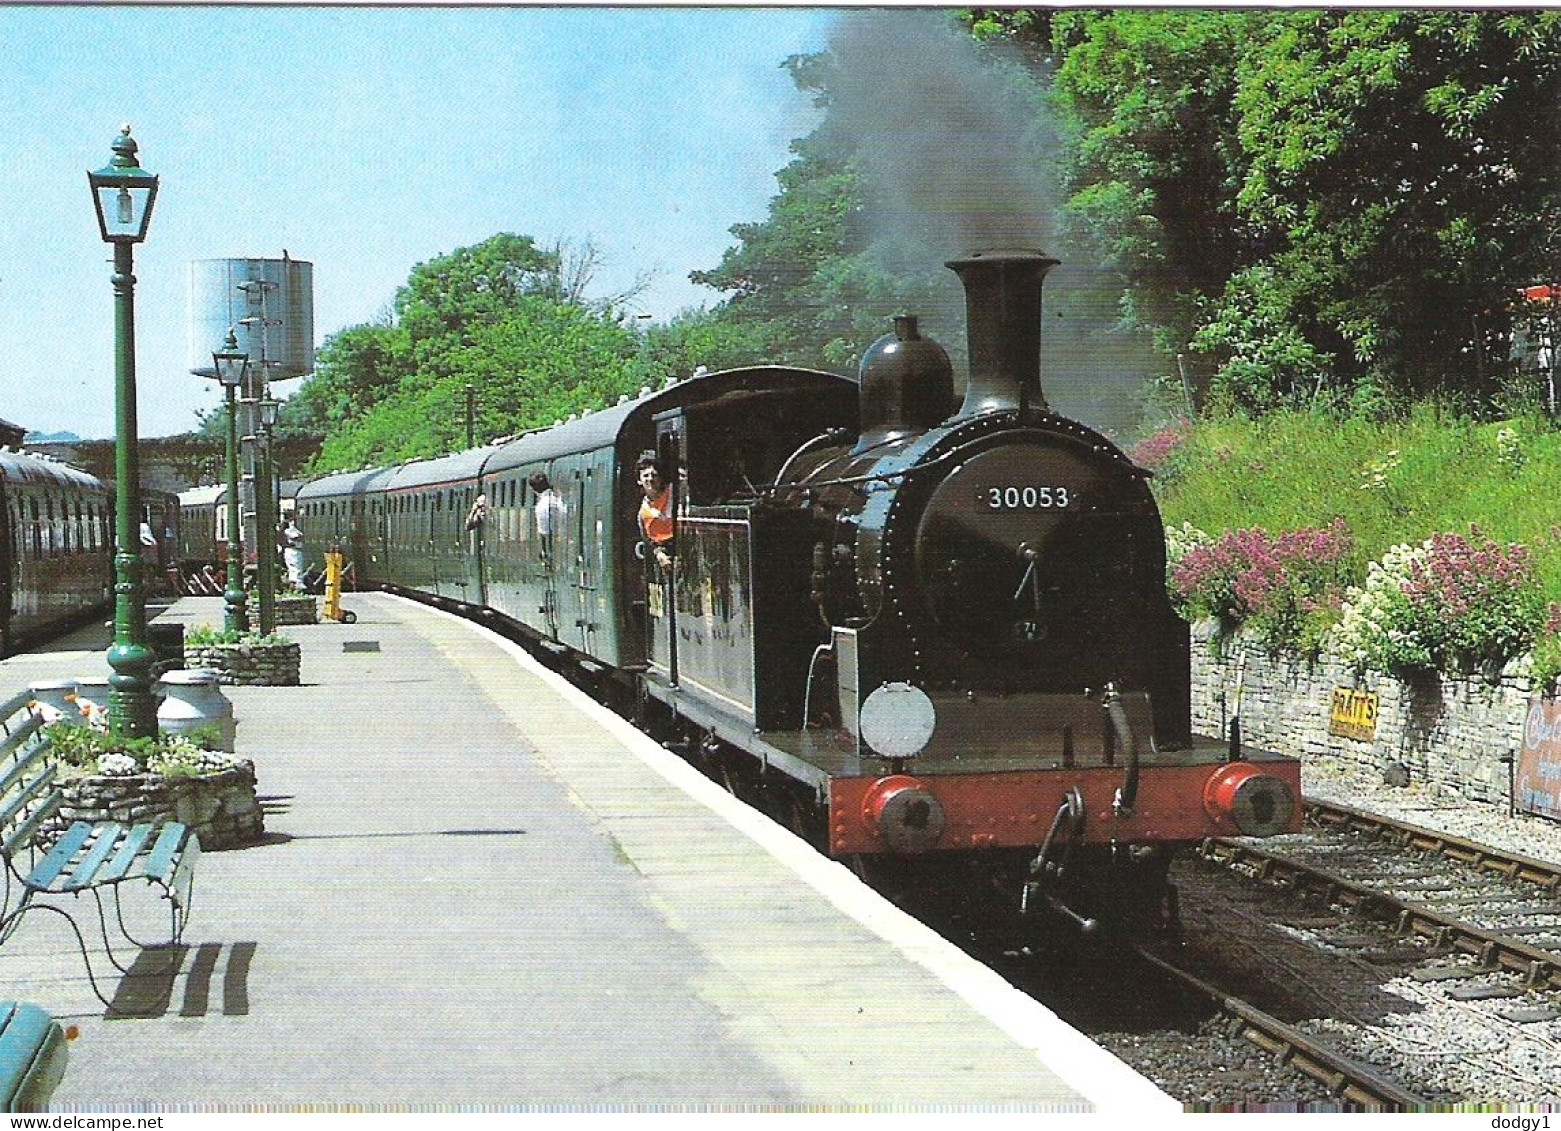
(934, 639)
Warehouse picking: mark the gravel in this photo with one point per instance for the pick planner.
(1345, 783)
(1450, 1051)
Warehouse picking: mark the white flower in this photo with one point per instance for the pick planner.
(118, 766)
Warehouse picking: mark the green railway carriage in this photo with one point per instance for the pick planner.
(346, 510)
(424, 509)
(56, 546)
(575, 575)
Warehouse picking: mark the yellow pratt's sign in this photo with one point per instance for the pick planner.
(1353, 714)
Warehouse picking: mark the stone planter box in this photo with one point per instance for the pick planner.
(221, 807)
(273, 665)
(289, 610)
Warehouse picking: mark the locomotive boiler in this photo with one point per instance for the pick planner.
(934, 638)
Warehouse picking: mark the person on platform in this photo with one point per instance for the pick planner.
(292, 540)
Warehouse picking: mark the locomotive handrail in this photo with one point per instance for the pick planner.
(1127, 796)
(847, 480)
(829, 435)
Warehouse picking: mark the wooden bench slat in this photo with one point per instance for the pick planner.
(42, 774)
(47, 870)
(165, 853)
(81, 876)
(129, 848)
(184, 873)
(14, 705)
(24, 731)
(33, 1053)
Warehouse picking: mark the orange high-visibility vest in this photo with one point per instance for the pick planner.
(656, 517)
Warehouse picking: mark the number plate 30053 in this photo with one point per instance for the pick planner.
(1011, 497)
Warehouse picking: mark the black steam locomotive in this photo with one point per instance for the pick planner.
(936, 639)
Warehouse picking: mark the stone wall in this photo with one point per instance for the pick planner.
(274, 665)
(289, 610)
(221, 807)
(1449, 734)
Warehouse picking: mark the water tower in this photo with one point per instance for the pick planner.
(268, 305)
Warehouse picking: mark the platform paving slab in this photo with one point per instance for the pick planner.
(476, 891)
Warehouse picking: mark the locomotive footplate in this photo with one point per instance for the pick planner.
(989, 801)
(1260, 794)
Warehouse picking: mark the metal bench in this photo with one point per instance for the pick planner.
(87, 857)
(33, 1052)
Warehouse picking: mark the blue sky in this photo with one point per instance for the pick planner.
(365, 141)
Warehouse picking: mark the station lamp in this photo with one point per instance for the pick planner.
(232, 367)
(123, 194)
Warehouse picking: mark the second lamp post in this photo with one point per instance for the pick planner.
(232, 366)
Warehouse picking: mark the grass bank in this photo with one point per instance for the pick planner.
(1391, 482)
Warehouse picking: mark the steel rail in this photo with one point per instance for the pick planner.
(1329, 814)
(1540, 968)
(1347, 1079)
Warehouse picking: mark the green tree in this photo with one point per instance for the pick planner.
(1317, 200)
(1394, 165)
(506, 317)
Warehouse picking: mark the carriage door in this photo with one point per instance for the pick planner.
(592, 576)
(662, 585)
(580, 561)
(10, 544)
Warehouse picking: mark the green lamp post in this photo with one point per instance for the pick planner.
(123, 194)
(232, 368)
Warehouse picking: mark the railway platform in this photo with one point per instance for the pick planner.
(480, 891)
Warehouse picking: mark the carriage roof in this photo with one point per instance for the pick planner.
(23, 467)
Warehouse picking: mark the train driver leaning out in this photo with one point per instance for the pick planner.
(656, 520)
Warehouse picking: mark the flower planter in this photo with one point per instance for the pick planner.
(274, 665)
(293, 610)
(220, 806)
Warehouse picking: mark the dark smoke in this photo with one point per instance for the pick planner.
(960, 157)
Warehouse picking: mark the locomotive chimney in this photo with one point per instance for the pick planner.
(1003, 321)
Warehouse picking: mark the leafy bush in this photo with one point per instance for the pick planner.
(90, 751)
(1158, 450)
(204, 635)
(1284, 592)
(1452, 604)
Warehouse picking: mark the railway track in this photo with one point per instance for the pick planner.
(1353, 1083)
(1455, 948)
(1519, 914)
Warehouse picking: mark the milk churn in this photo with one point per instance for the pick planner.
(92, 698)
(56, 699)
(192, 701)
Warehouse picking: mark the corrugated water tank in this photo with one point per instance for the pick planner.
(251, 295)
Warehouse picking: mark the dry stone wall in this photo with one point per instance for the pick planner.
(221, 807)
(274, 665)
(288, 610)
(1451, 735)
